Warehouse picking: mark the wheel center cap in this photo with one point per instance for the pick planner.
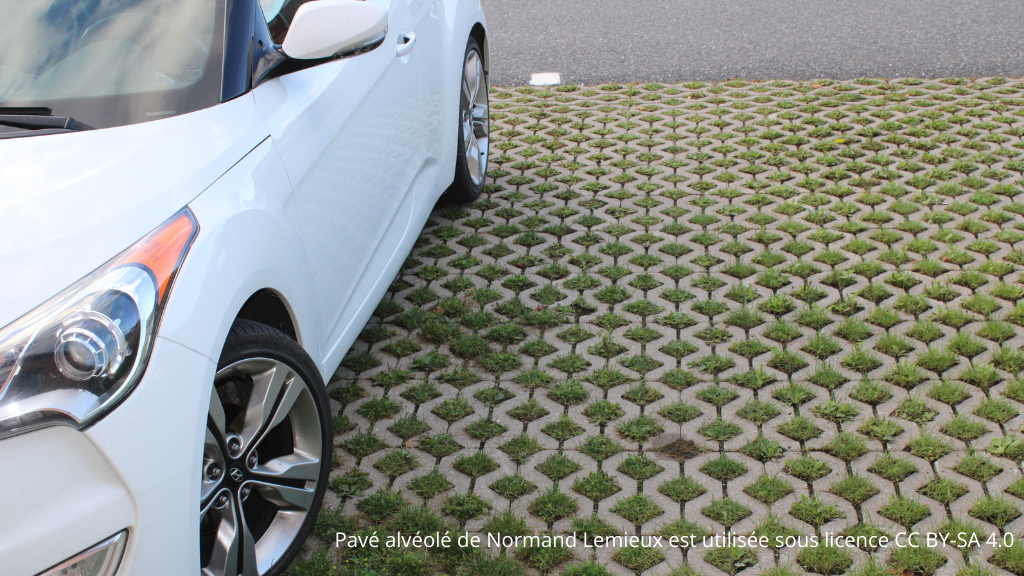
(236, 473)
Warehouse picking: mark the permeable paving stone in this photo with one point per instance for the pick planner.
(793, 309)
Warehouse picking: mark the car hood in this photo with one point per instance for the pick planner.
(70, 202)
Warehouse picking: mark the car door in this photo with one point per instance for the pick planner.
(352, 138)
(428, 61)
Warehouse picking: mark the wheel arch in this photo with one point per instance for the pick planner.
(269, 307)
(479, 33)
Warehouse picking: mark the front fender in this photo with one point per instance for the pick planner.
(248, 241)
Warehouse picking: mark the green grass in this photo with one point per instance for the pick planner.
(597, 486)
(381, 504)
(543, 558)
(638, 509)
(963, 534)
(928, 447)
(558, 466)
(485, 429)
(763, 449)
(397, 463)
(563, 429)
(836, 412)
(800, 429)
(893, 468)
(640, 429)
(640, 468)
(453, 409)
(724, 468)
(915, 410)
(995, 510)
(717, 395)
(866, 531)
(600, 448)
(553, 505)
(769, 489)
(758, 412)
(603, 412)
(682, 489)
(1010, 558)
(794, 394)
(513, 487)
(475, 465)
(943, 490)
(824, 560)
(881, 429)
(528, 411)
(430, 484)
(731, 560)
(871, 392)
(904, 511)
(463, 507)
(856, 489)
(638, 558)
(846, 446)
(683, 528)
(378, 408)
(719, 430)
(996, 410)
(916, 561)
(726, 511)
(588, 568)
(964, 429)
(807, 468)
(814, 511)
(977, 467)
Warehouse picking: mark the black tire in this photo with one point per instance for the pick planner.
(248, 339)
(463, 190)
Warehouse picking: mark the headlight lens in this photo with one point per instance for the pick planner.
(100, 560)
(77, 355)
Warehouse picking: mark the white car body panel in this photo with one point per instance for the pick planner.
(314, 185)
(70, 202)
(157, 461)
(248, 240)
(59, 499)
(350, 135)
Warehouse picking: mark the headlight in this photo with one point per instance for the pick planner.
(77, 355)
(99, 560)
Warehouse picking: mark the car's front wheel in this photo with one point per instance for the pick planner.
(474, 128)
(266, 457)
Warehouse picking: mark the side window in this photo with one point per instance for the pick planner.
(279, 14)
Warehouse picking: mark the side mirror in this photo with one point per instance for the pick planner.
(326, 28)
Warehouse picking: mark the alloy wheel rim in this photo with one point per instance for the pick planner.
(475, 116)
(261, 466)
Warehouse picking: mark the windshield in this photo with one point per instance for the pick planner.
(111, 62)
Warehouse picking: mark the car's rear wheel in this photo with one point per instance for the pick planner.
(474, 128)
(266, 457)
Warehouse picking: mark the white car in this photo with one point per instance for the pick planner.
(201, 204)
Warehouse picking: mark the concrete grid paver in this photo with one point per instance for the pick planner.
(652, 263)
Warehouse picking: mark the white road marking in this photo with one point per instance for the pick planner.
(545, 79)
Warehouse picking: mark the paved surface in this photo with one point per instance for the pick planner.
(596, 41)
(680, 310)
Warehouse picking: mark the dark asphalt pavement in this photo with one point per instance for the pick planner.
(596, 41)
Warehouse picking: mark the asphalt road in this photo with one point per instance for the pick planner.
(596, 41)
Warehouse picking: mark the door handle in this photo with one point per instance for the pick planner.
(405, 43)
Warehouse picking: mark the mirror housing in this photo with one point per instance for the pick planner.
(335, 28)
